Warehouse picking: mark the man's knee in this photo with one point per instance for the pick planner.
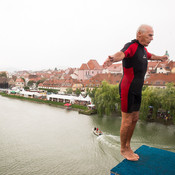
(135, 116)
(126, 119)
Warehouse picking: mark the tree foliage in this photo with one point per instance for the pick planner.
(91, 92)
(3, 74)
(30, 83)
(107, 95)
(26, 88)
(106, 98)
(40, 81)
(77, 92)
(158, 98)
(23, 79)
(69, 91)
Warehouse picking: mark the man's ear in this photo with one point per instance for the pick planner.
(139, 34)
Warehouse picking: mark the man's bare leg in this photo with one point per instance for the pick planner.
(135, 117)
(126, 132)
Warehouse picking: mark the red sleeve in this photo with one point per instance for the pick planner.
(129, 50)
(148, 54)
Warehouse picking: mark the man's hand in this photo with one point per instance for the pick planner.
(160, 58)
(163, 58)
(108, 62)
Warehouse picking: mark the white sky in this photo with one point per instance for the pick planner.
(41, 34)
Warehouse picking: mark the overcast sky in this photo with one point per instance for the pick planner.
(41, 34)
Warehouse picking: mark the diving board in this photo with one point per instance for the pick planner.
(153, 161)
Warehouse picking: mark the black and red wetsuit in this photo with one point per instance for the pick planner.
(134, 69)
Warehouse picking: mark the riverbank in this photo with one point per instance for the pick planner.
(81, 109)
(41, 101)
(162, 121)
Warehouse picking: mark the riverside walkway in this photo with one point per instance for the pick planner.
(153, 161)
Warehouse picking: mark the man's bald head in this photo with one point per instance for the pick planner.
(144, 28)
(145, 34)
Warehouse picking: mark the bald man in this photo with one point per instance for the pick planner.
(134, 56)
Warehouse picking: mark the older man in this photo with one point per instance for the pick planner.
(134, 58)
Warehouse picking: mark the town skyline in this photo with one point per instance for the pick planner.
(88, 75)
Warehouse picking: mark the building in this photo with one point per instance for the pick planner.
(114, 69)
(89, 70)
(19, 83)
(77, 86)
(96, 81)
(51, 84)
(160, 80)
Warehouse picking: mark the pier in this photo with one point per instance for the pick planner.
(153, 161)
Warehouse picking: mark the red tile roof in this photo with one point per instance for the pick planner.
(53, 83)
(160, 79)
(116, 67)
(167, 65)
(20, 80)
(153, 64)
(97, 79)
(60, 82)
(91, 65)
(84, 67)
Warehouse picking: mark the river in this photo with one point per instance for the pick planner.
(37, 139)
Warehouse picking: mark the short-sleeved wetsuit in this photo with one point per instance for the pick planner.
(134, 69)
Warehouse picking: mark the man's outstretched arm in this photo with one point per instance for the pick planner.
(114, 58)
(161, 58)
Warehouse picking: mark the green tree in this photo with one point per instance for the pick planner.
(30, 83)
(55, 91)
(23, 79)
(91, 92)
(88, 91)
(150, 97)
(168, 100)
(3, 74)
(77, 92)
(69, 91)
(26, 88)
(40, 81)
(158, 98)
(106, 98)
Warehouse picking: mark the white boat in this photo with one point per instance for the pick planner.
(97, 133)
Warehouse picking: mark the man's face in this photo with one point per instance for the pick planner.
(146, 37)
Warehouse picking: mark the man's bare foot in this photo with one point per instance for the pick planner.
(129, 155)
(130, 150)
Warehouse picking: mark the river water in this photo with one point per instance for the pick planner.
(37, 139)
